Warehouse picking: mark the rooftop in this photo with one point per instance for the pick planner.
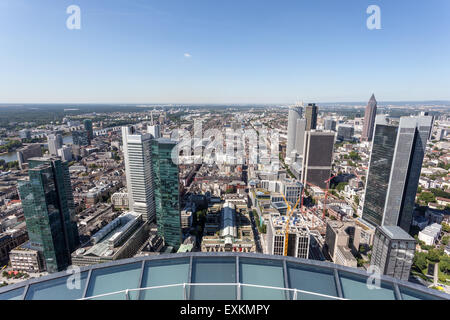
(195, 276)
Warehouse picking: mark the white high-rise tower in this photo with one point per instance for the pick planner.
(138, 168)
(295, 113)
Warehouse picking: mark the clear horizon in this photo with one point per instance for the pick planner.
(233, 52)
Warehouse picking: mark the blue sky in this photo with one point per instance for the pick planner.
(241, 51)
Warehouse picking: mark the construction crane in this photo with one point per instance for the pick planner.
(288, 214)
(326, 196)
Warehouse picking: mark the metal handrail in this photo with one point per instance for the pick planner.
(238, 284)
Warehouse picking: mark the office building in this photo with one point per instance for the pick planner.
(295, 113)
(317, 158)
(27, 152)
(394, 170)
(80, 138)
(369, 119)
(25, 258)
(55, 142)
(298, 233)
(292, 190)
(329, 124)
(430, 234)
(25, 134)
(137, 152)
(120, 200)
(155, 131)
(311, 116)
(393, 251)
(300, 136)
(119, 239)
(48, 207)
(65, 153)
(89, 130)
(345, 132)
(167, 195)
(344, 238)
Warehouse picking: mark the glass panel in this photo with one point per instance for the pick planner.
(213, 270)
(308, 296)
(64, 288)
(312, 279)
(15, 294)
(213, 292)
(355, 287)
(264, 273)
(163, 272)
(113, 279)
(409, 294)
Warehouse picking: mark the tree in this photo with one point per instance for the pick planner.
(445, 240)
(433, 256)
(427, 197)
(420, 260)
(445, 227)
(341, 186)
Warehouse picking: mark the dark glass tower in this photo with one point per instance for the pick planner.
(88, 128)
(311, 116)
(394, 171)
(166, 191)
(379, 171)
(48, 206)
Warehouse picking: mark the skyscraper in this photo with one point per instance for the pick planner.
(138, 170)
(300, 136)
(167, 195)
(311, 116)
(48, 207)
(369, 119)
(55, 142)
(329, 124)
(89, 130)
(318, 157)
(393, 252)
(295, 113)
(154, 130)
(394, 170)
(27, 152)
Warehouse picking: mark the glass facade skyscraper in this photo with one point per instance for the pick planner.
(369, 119)
(379, 171)
(166, 190)
(394, 170)
(48, 206)
(89, 130)
(311, 116)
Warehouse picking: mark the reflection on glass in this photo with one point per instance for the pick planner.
(356, 288)
(107, 280)
(65, 288)
(217, 270)
(312, 279)
(164, 272)
(15, 294)
(264, 273)
(408, 294)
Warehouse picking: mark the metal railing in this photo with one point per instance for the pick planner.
(289, 293)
